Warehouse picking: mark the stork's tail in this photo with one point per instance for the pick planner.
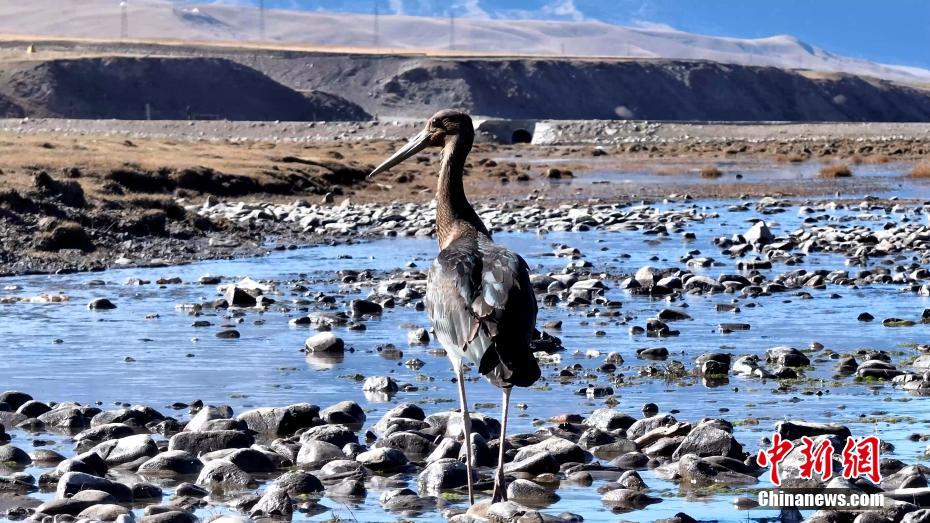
(510, 368)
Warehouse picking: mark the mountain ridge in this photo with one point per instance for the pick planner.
(163, 19)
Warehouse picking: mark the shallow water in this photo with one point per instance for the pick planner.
(61, 352)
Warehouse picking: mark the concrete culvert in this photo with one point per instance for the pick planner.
(521, 136)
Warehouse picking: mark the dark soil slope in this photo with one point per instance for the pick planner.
(586, 89)
(173, 89)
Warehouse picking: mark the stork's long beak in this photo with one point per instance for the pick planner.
(415, 145)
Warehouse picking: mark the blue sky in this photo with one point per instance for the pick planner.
(891, 31)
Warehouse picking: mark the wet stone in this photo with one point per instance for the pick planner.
(530, 493)
(443, 474)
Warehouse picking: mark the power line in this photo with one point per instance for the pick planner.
(376, 28)
(124, 19)
(451, 30)
(261, 19)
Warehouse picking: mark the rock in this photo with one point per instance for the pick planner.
(125, 450)
(141, 491)
(101, 304)
(699, 471)
(209, 441)
(221, 474)
(275, 503)
(73, 482)
(563, 450)
(529, 493)
(759, 235)
(168, 516)
(411, 444)
(207, 414)
(404, 500)
(75, 504)
(136, 416)
(33, 409)
(108, 512)
(384, 384)
(89, 462)
(795, 429)
(917, 516)
(628, 499)
(418, 336)
(609, 419)
(708, 439)
(338, 435)
(172, 463)
(104, 432)
(632, 480)
(450, 424)
(630, 461)
(645, 425)
(349, 488)
(14, 455)
(535, 464)
(189, 490)
(344, 413)
(361, 308)
(325, 342)
(315, 454)
(444, 474)
(646, 277)
(298, 483)
(787, 357)
(14, 398)
(252, 460)
(382, 459)
(281, 421)
(238, 297)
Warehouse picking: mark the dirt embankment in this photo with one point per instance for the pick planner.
(596, 89)
(78, 74)
(159, 88)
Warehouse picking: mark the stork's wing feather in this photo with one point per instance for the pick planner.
(481, 304)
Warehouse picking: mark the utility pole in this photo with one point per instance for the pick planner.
(261, 19)
(124, 19)
(451, 30)
(376, 28)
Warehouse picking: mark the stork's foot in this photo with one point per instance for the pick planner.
(500, 489)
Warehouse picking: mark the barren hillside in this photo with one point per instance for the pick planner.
(158, 88)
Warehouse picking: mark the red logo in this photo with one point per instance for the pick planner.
(860, 458)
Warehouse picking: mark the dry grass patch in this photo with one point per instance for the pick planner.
(920, 170)
(711, 171)
(838, 170)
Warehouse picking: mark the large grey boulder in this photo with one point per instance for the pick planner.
(281, 421)
(73, 482)
(709, 439)
(563, 450)
(172, 463)
(125, 450)
(220, 475)
(209, 441)
(444, 474)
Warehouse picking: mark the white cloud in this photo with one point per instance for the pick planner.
(652, 26)
(563, 9)
(472, 9)
(397, 6)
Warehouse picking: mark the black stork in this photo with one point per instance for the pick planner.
(478, 294)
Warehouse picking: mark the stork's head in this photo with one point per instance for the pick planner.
(441, 127)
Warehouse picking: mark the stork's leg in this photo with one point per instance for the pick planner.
(500, 484)
(466, 425)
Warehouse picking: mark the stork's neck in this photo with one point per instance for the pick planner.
(454, 215)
